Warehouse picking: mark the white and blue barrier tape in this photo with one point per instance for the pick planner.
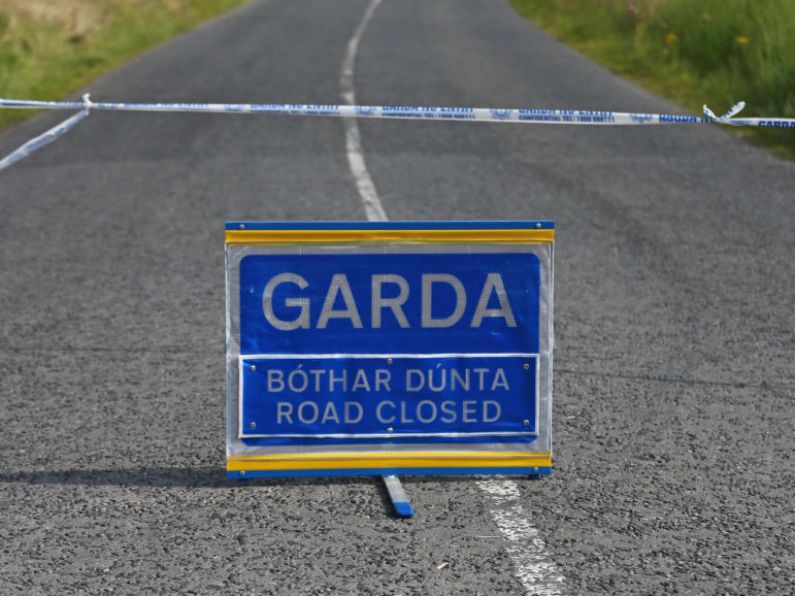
(522, 115)
(42, 140)
(509, 115)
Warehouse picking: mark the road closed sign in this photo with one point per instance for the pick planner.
(389, 348)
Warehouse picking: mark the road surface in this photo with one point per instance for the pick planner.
(674, 324)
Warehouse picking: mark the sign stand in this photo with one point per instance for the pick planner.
(389, 348)
(400, 500)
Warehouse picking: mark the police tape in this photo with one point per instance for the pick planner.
(43, 139)
(451, 114)
(448, 114)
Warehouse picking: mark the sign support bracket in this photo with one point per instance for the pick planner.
(400, 500)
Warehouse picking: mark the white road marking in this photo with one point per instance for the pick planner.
(533, 563)
(353, 140)
(534, 566)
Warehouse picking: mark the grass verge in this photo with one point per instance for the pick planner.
(50, 48)
(716, 52)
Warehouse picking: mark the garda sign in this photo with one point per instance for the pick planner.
(388, 348)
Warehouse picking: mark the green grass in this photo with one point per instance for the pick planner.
(716, 52)
(49, 49)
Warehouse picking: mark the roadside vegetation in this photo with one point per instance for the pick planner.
(50, 48)
(716, 52)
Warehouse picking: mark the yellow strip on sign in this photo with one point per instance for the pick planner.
(342, 461)
(389, 236)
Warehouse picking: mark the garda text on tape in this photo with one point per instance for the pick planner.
(389, 348)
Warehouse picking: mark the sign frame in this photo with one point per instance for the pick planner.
(389, 455)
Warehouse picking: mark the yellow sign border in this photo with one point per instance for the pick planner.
(541, 236)
(352, 461)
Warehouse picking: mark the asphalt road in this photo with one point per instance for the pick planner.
(675, 288)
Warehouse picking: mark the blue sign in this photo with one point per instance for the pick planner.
(431, 347)
(419, 397)
(397, 303)
(385, 348)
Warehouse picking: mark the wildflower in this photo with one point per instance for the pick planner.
(742, 40)
(671, 38)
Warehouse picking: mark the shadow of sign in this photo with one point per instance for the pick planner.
(160, 477)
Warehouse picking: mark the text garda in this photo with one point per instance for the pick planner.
(340, 288)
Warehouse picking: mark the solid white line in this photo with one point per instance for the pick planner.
(353, 141)
(533, 565)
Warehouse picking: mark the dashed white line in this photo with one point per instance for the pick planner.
(533, 564)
